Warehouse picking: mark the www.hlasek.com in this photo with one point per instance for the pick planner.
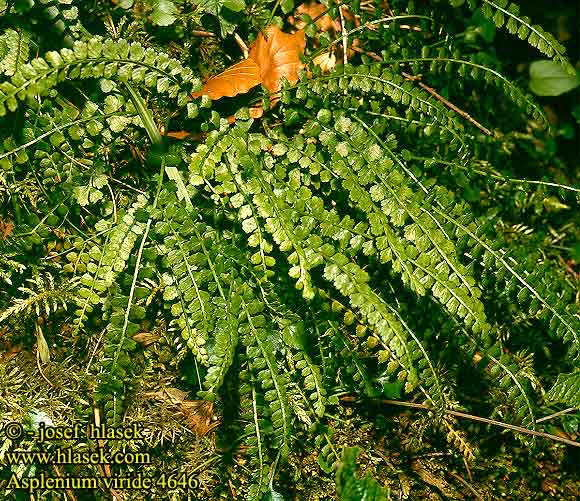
(47, 436)
(70, 456)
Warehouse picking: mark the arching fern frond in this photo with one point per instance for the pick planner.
(506, 13)
(566, 390)
(103, 264)
(98, 58)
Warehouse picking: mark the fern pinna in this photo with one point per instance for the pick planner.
(328, 248)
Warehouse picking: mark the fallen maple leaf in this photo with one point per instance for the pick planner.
(270, 60)
(278, 56)
(237, 79)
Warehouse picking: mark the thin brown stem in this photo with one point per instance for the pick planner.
(344, 37)
(464, 415)
(242, 45)
(447, 103)
(466, 484)
(372, 55)
(199, 33)
(40, 369)
(556, 414)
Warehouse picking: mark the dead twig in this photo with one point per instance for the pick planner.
(556, 414)
(199, 33)
(40, 369)
(467, 469)
(433, 480)
(372, 55)
(95, 349)
(242, 45)
(466, 484)
(409, 27)
(344, 37)
(447, 103)
(464, 415)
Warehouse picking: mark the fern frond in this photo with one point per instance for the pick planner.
(566, 390)
(328, 457)
(457, 438)
(354, 370)
(116, 363)
(44, 296)
(98, 58)
(64, 17)
(103, 264)
(377, 80)
(261, 358)
(506, 372)
(564, 323)
(351, 488)
(491, 76)
(115, 366)
(14, 49)
(255, 432)
(506, 13)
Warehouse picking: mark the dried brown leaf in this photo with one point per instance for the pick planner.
(146, 338)
(278, 56)
(326, 61)
(6, 228)
(8, 350)
(42, 346)
(315, 9)
(271, 59)
(237, 79)
(198, 414)
(171, 395)
(256, 111)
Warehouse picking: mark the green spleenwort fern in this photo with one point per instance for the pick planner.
(505, 13)
(349, 487)
(104, 262)
(567, 389)
(98, 289)
(478, 71)
(289, 257)
(14, 49)
(98, 58)
(64, 17)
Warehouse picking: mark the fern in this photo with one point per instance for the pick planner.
(346, 244)
(42, 297)
(97, 58)
(64, 17)
(14, 50)
(505, 13)
(104, 264)
(349, 487)
(566, 389)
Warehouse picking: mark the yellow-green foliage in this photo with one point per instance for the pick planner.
(346, 242)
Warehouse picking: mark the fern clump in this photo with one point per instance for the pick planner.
(348, 243)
